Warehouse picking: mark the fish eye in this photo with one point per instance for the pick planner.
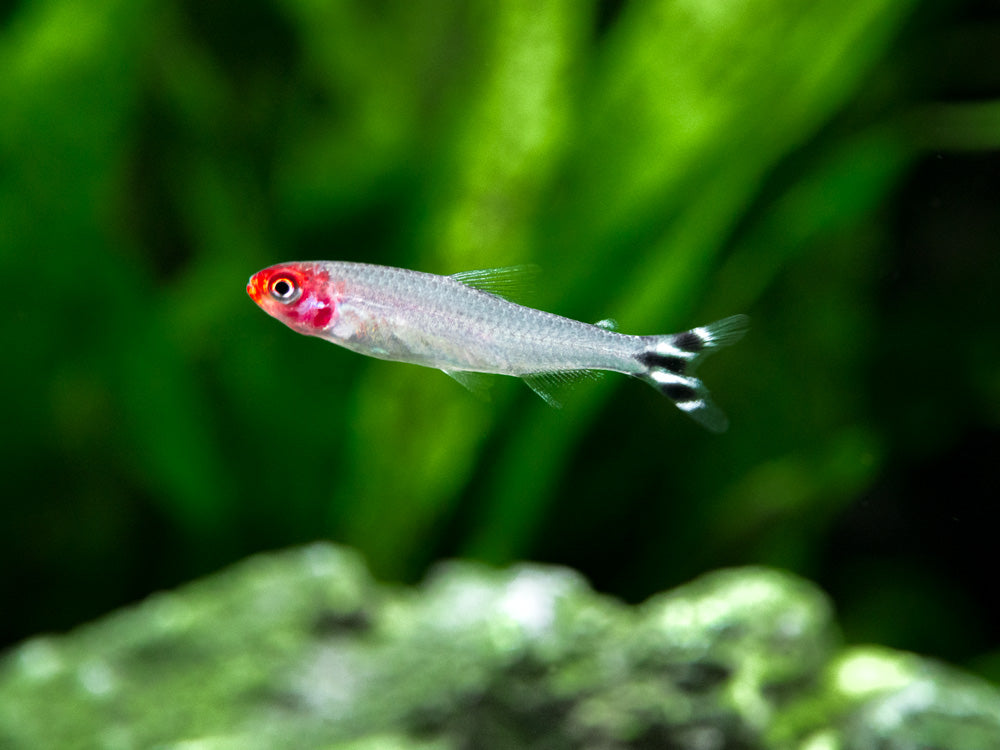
(285, 290)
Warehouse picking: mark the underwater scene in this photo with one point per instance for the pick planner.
(216, 532)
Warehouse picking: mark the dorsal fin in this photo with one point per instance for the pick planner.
(505, 282)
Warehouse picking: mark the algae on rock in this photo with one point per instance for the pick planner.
(303, 649)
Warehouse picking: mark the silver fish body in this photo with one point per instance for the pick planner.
(459, 324)
(438, 321)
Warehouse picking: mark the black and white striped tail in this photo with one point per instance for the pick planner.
(670, 363)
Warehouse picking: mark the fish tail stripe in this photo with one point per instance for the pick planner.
(690, 396)
(666, 377)
(676, 387)
(721, 333)
(669, 363)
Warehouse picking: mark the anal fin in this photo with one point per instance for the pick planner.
(544, 383)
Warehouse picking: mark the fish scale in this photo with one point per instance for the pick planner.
(460, 324)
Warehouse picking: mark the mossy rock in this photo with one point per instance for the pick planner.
(303, 649)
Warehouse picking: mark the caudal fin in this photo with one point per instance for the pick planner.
(671, 361)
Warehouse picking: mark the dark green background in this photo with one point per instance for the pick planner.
(828, 167)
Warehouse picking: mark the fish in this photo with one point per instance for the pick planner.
(463, 325)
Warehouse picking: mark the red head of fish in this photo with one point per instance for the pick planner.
(298, 294)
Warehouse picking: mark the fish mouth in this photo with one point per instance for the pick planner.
(252, 289)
